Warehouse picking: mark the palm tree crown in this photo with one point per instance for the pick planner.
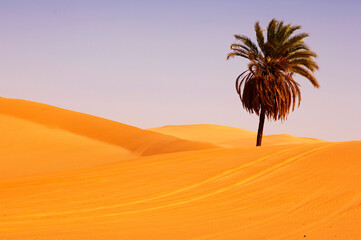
(267, 87)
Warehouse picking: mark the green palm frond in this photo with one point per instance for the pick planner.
(247, 42)
(260, 37)
(282, 33)
(308, 63)
(271, 31)
(291, 42)
(239, 47)
(300, 54)
(298, 46)
(290, 31)
(303, 72)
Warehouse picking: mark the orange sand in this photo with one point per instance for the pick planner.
(67, 175)
(229, 136)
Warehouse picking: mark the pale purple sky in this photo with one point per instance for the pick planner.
(155, 63)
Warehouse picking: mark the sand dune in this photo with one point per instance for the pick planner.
(28, 148)
(228, 136)
(132, 138)
(286, 191)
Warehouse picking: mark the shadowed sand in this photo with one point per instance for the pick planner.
(67, 175)
(132, 138)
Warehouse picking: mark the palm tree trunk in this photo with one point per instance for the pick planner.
(260, 128)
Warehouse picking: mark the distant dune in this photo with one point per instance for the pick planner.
(68, 175)
(228, 136)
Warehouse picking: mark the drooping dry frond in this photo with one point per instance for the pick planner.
(276, 93)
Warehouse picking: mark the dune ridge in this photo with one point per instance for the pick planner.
(132, 138)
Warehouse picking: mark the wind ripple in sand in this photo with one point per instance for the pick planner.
(199, 184)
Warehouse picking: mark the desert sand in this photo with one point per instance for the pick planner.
(69, 175)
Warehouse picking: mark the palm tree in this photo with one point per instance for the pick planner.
(267, 87)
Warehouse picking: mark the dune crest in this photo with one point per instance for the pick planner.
(134, 139)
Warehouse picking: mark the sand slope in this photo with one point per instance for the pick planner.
(134, 139)
(270, 193)
(228, 136)
(28, 148)
(297, 191)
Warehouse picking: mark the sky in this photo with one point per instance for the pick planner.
(156, 63)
